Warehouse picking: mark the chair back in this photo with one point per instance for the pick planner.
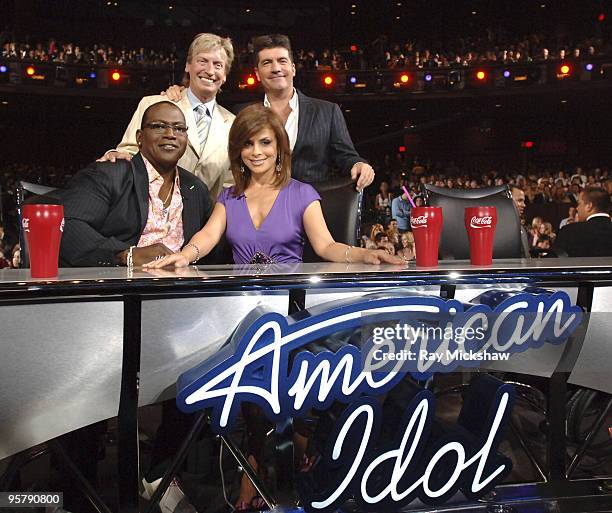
(454, 244)
(341, 205)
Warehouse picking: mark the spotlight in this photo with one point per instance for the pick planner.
(404, 78)
(30, 71)
(565, 69)
(354, 48)
(506, 74)
(481, 75)
(402, 149)
(328, 80)
(353, 79)
(601, 17)
(428, 77)
(250, 81)
(116, 76)
(588, 67)
(93, 75)
(3, 69)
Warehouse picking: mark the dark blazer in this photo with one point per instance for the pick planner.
(106, 207)
(587, 239)
(322, 140)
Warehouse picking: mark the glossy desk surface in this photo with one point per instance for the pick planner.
(237, 277)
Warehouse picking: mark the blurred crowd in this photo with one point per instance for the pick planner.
(551, 196)
(382, 53)
(96, 54)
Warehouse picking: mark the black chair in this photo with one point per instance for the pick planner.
(454, 243)
(341, 205)
(39, 193)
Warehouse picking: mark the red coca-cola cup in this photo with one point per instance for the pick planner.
(426, 223)
(43, 226)
(480, 223)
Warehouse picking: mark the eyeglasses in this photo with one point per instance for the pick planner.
(160, 128)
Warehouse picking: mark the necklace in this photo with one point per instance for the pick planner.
(166, 209)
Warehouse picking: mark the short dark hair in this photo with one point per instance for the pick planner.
(378, 237)
(599, 197)
(270, 41)
(145, 114)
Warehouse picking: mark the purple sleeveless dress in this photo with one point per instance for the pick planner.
(280, 238)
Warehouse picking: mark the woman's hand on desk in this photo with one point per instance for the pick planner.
(174, 260)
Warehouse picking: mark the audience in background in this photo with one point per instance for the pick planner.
(492, 46)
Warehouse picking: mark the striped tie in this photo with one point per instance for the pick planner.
(203, 124)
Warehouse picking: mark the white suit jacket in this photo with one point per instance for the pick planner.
(211, 165)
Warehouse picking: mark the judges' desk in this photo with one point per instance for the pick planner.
(96, 343)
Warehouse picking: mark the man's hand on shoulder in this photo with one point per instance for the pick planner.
(174, 93)
(145, 254)
(363, 173)
(113, 155)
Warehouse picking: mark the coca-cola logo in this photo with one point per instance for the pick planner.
(481, 222)
(418, 222)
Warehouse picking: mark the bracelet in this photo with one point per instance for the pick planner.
(197, 257)
(130, 257)
(346, 254)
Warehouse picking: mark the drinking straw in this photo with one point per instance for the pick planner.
(408, 194)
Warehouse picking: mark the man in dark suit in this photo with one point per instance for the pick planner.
(317, 130)
(131, 212)
(592, 235)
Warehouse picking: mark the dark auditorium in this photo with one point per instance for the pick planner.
(316, 256)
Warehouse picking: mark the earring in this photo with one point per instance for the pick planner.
(278, 164)
(242, 168)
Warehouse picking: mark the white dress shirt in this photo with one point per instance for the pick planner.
(291, 126)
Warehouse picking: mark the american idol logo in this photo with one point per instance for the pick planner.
(418, 222)
(268, 361)
(481, 222)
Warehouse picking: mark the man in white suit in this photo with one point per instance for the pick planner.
(209, 60)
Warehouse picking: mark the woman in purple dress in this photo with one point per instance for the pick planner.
(267, 213)
(265, 216)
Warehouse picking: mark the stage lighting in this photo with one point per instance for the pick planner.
(30, 71)
(481, 75)
(93, 75)
(116, 76)
(402, 149)
(353, 79)
(354, 48)
(527, 144)
(402, 80)
(601, 17)
(428, 77)
(328, 80)
(3, 69)
(506, 74)
(250, 81)
(589, 67)
(564, 71)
